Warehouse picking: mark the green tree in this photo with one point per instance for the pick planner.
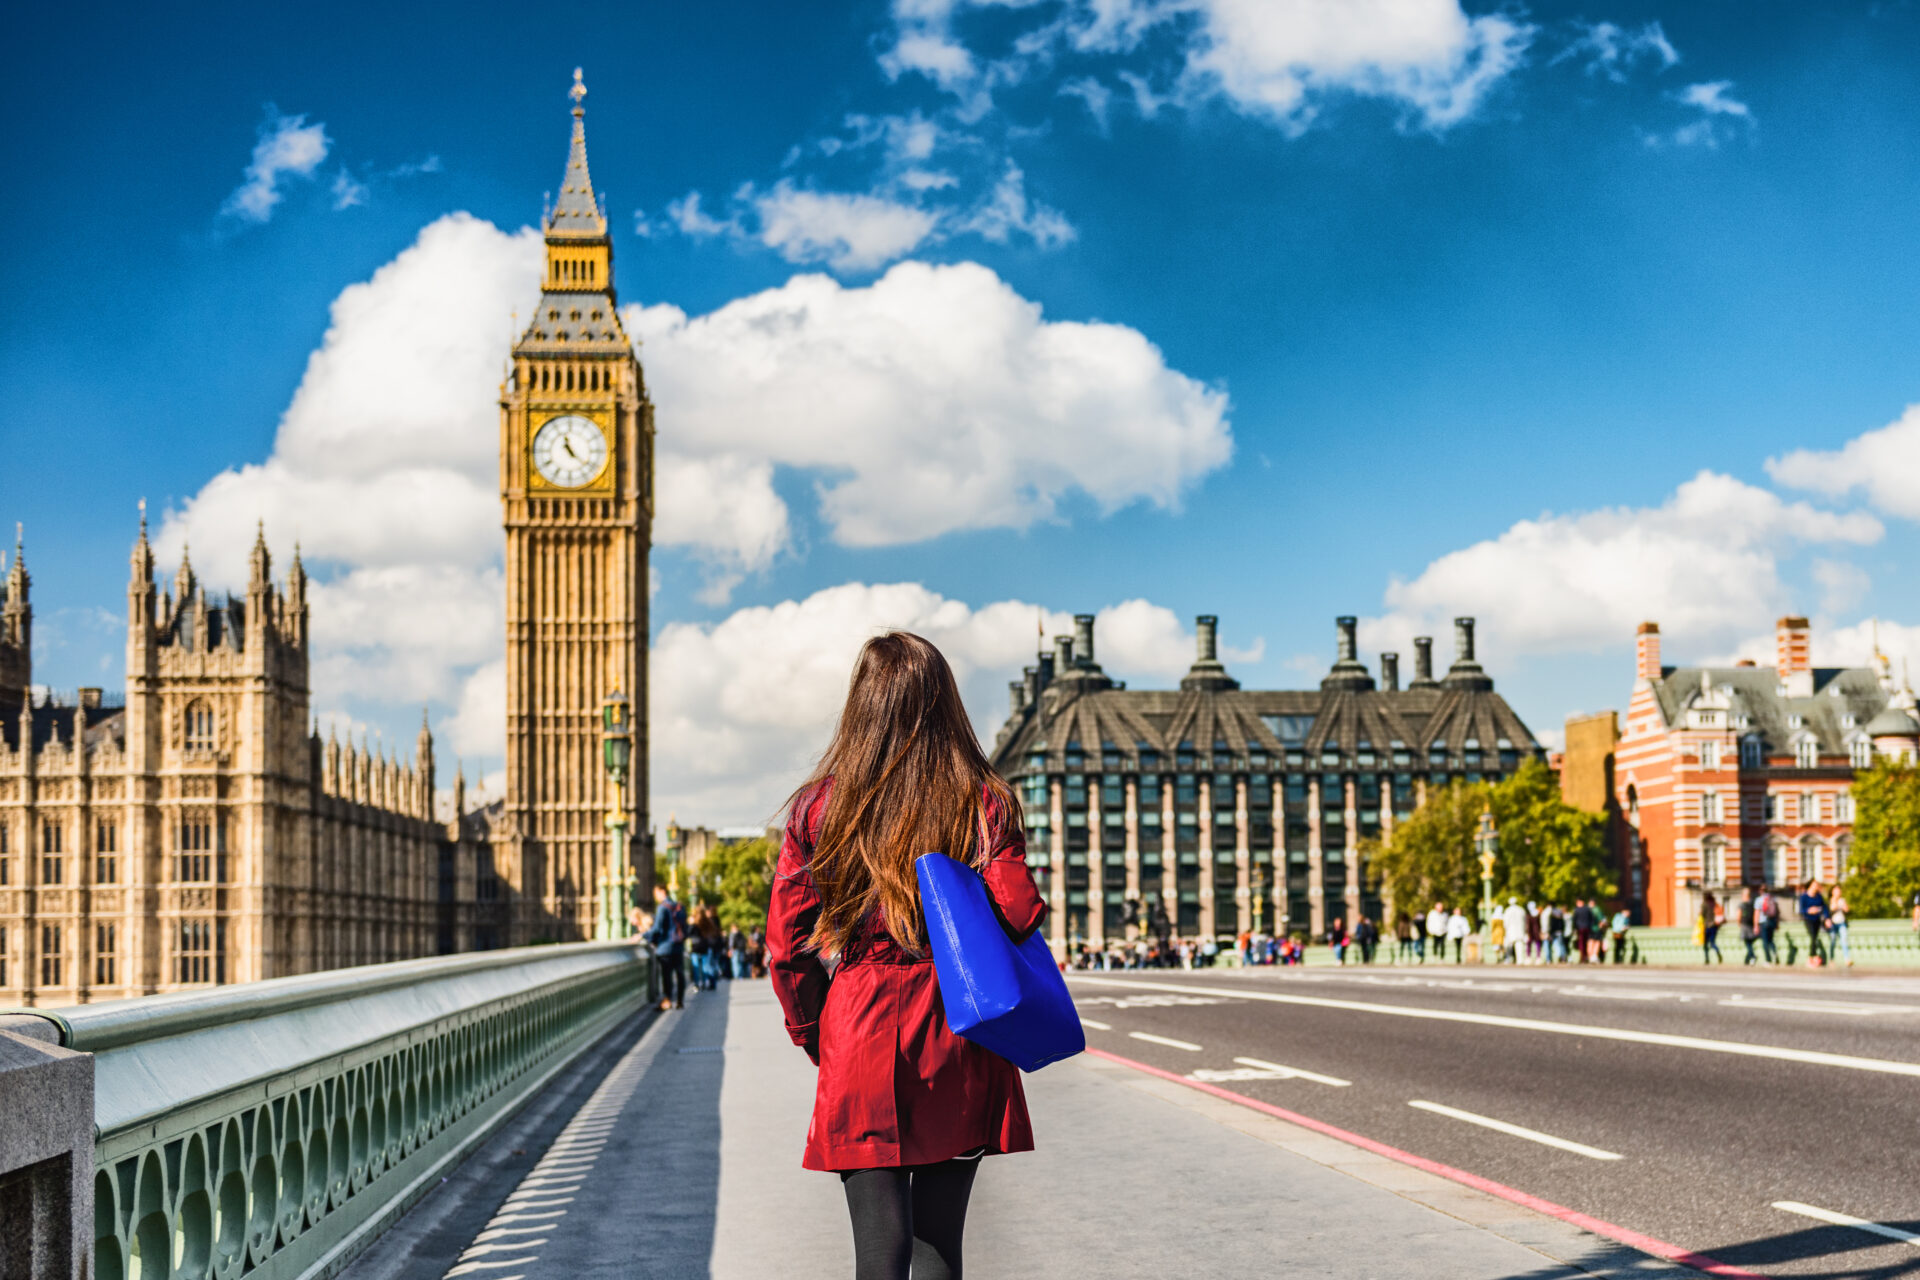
(1884, 872)
(1549, 850)
(736, 880)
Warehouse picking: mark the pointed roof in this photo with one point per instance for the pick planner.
(577, 213)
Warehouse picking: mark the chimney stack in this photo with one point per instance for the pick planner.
(1463, 640)
(1792, 655)
(1646, 652)
(1062, 654)
(1349, 647)
(1422, 661)
(1083, 639)
(1792, 644)
(1016, 696)
(1390, 672)
(1205, 628)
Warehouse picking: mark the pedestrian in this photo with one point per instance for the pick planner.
(1402, 937)
(1583, 926)
(1556, 934)
(668, 938)
(737, 950)
(1437, 933)
(1768, 912)
(1837, 924)
(1622, 923)
(1813, 914)
(1515, 918)
(1749, 932)
(1337, 939)
(1368, 940)
(703, 945)
(1711, 919)
(903, 1109)
(1458, 931)
(1535, 940)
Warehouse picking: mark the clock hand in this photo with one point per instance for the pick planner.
(568, 446)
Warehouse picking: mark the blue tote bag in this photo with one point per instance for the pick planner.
(1004, 996)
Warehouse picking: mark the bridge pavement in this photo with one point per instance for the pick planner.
(673, 1150)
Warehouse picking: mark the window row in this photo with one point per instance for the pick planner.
(1775, 806)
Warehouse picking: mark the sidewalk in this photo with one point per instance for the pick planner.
(685, 1161)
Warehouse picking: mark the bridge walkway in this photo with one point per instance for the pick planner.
(672, 1150)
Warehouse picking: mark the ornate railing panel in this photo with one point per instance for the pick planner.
(273, 1129)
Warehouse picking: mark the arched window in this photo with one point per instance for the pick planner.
(1809, 858)
(199, 726)
(1806, 753)
(1773, 871)
(1842, 853)
(1713, 861)
(1860, 753)
(1750, 749)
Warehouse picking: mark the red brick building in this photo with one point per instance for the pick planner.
(1743, 775)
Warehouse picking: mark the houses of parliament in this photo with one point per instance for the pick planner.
(201, 829)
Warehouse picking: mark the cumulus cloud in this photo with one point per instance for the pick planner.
(1705, 563)
(1883, 465)
(287, 147)
(748, 702)
(934, 399)
(849, 231)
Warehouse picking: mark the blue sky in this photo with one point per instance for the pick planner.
(1560, 316)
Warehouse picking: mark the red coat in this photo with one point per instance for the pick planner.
(896, 1086)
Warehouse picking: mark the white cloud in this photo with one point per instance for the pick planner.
(1882, 464)
(1008, 210)
(1721, 117)
(1277, 60)
(288, 146)
(847, 231)
(1610, 50)
(934, 399)
(1843, 585)
(348, 191)
(1704, 564)
(1833, 645)
(749, 702)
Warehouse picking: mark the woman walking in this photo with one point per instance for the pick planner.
(1837, 922)
(903, 1109)
(1711, 919)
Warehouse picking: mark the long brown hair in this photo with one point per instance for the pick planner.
(908, 777)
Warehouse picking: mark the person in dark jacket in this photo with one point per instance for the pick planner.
(903, 1108)
(1583, 927)
(668, 938)
(1749, 932)
(1813, 914)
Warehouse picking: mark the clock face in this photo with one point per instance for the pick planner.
(569, 450)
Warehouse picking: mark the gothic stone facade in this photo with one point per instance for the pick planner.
(1743, 775)
(199, 832)
(1235, 808)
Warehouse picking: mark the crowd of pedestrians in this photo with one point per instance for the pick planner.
(1760, 916)
(696, 947)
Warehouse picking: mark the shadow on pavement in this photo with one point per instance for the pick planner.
(1895, 1259)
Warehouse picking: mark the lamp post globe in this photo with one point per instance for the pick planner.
(616, 753)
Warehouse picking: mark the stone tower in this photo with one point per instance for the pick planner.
(576, 484)
(16, 631)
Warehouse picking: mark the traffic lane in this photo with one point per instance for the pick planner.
(1709, 1143)
(1814, 1024)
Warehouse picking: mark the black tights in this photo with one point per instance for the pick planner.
(908, 1221)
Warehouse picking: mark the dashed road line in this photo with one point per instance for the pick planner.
(1738, 1048)
(1519, 1131)
(1168, 1041)
(1294, 1072)
(1097, 1026)
(1848, 1220)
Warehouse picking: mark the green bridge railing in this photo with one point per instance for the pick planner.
(273, 1129)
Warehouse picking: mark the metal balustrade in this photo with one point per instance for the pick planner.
(273, 1129)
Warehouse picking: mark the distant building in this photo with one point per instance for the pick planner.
(1235, 808)
(1739, 775)
(197, 830)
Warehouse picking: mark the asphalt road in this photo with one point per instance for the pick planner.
(1692, 1103)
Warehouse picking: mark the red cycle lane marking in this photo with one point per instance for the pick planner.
(1626, 1236)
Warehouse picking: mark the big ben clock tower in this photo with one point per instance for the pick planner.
(576, 483)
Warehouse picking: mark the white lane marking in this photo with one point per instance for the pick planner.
(1531, 1135)
(1736, 1047)
(1165, 1040)
(1788, 1004)
(1848, 1220)
(1298, 1072)
(1231, 1075)
(1097, 1026)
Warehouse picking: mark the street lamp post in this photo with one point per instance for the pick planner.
(1487, 842)
(617, 882)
